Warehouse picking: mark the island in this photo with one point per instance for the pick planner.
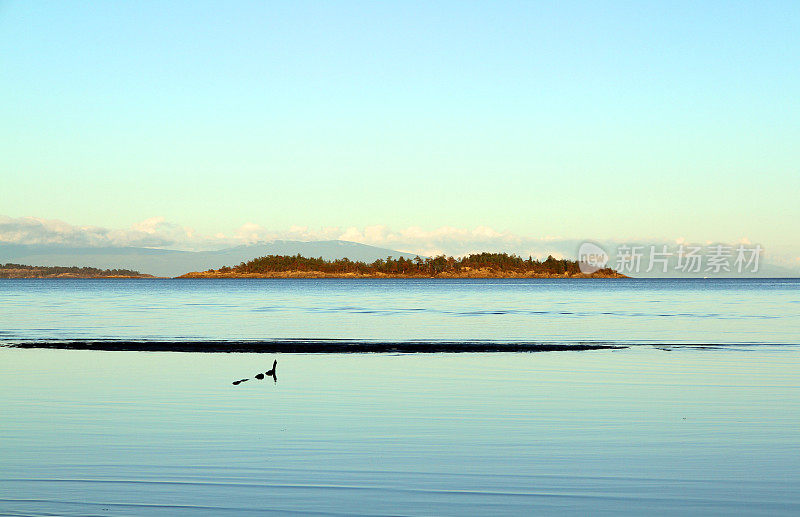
(477, 265)
(24, 271)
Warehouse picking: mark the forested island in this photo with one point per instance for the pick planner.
(24, 271)
(480, 265)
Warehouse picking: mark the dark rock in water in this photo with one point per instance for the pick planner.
(236, 382)
(260, 376)
(316, 346)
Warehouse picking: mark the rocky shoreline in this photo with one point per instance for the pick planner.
(478, 273)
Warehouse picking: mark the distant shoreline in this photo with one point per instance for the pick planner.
(312, 275)
(320, 274)
(11, 270)
(83, 277)
(477, 265)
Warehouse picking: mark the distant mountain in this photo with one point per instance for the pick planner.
(162, 262)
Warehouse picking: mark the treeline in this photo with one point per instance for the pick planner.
(501, 263)
(24, 271)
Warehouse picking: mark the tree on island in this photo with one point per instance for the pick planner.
(501, 263)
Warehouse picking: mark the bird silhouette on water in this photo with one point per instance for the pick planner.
(260, 376)
(270, 373)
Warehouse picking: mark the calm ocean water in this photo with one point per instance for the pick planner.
(644, 430)
(561, 311)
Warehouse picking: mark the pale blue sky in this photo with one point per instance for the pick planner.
(604, 120)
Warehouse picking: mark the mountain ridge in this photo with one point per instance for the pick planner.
(171, 263)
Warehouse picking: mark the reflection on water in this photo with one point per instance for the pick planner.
(619, 432)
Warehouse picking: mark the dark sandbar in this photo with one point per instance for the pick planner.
(313, 346)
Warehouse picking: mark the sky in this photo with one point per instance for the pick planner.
(659, 121)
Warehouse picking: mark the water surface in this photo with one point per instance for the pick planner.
(763, 311)
(677, 429)
(633, 431)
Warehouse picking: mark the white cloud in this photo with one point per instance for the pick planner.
(154, 232)
(446, 239)
(158, 233)
(250, 233)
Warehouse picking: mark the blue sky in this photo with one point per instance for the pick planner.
(616, 120)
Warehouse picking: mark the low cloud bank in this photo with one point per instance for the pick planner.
(156, 232)
(150, 233)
